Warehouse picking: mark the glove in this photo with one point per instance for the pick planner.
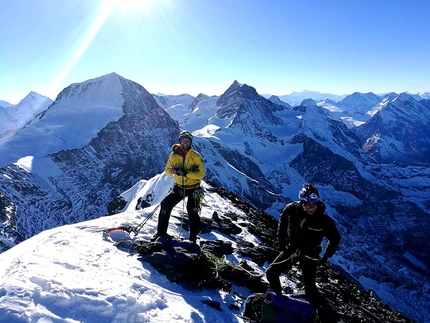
(181, 172)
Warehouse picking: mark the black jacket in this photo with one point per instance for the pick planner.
(298, 230)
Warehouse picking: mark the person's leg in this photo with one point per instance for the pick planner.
(193, 215)
(167, 206)
(309, 268)
(281, 264)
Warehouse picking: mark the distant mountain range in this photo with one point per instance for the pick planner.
(295, 98)
(368, 154)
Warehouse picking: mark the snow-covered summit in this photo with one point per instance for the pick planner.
(277, 100)
(4, 104)
(359, 103)
(398, 131)
(100, 91)
(80, 111)
(15, 117)
(296, 97)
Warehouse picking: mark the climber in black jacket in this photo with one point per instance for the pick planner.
(301, 229)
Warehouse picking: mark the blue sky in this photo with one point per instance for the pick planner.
(196, 46)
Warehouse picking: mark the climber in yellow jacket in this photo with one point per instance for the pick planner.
(188, 169)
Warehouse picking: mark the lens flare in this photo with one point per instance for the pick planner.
(107, 9)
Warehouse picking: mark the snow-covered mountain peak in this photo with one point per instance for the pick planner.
(309, 103)
(244, 90)
(275, 99)
(175, 105)
(235, 86)
(312, 111)
(295, 98)
(398, 131)
(15, 117)
(404, 99)
(424, 95)
(34, 97)
(242, 101)
(314, 117)
(359, 102)
(413, 111)
(390, 96)
(79, 113)
(100, 91)
(199, 98)
(328, 102)
(4, 104)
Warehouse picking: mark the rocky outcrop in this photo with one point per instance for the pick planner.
(205, 267)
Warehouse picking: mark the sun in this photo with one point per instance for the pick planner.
(128, 6)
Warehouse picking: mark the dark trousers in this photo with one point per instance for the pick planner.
(170, 201)
(283, 263)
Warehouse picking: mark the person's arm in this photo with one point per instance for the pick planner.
(333, 237)
(283, 229)
(169, 166)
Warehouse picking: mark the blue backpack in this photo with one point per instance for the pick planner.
(273, 308)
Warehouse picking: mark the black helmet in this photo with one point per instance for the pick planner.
(185, 134)
(309, 193)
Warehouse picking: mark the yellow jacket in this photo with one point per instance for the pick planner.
(192, 163)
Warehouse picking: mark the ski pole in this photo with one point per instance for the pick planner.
(136, 229)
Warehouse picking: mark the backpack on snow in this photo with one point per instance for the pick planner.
(274, 308)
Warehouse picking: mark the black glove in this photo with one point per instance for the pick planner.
(194, 169)
(181, 172)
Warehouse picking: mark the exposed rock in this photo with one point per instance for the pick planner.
(345, 299)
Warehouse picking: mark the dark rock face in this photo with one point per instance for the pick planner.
(8, 222)
(242, 100)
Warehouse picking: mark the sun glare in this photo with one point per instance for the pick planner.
(125, 9)
(128, 6)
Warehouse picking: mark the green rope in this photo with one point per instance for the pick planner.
(214, 265)
(294, 255)
(314, 259)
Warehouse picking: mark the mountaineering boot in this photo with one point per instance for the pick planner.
(192, 248)
(157, 235)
